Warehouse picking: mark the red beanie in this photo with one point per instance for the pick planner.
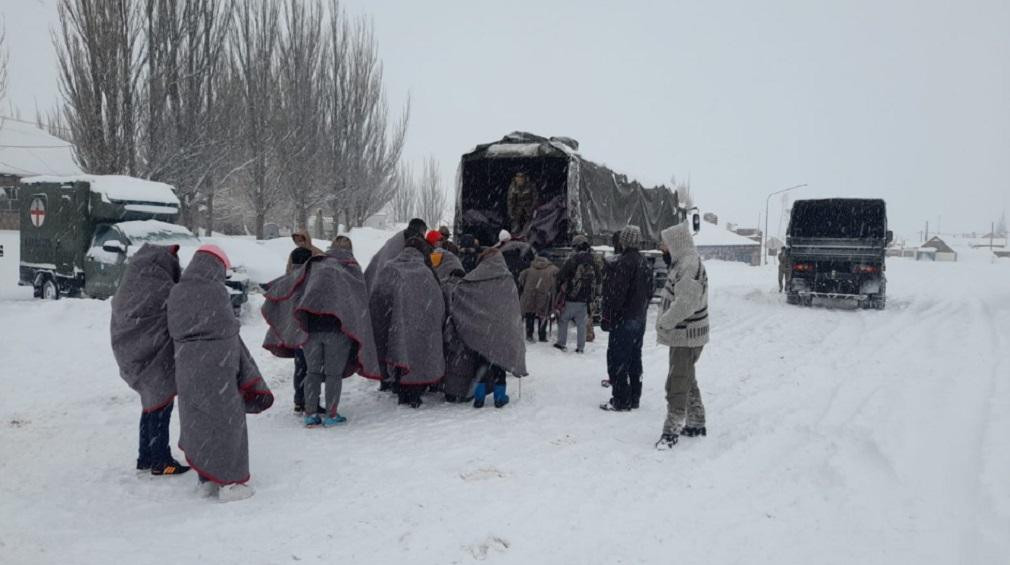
(216, 252)
(433, 237)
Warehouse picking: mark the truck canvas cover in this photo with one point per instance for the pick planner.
(574, 195)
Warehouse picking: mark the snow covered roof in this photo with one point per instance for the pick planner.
(155, 230)
(26, 150)
(716, 236)
(118, 187)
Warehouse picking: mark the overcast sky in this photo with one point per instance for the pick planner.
(907, 100)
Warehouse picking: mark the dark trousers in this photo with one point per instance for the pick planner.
(490, 374)
(541, 327)
(154, 449)
(301, 369)
(624, 362)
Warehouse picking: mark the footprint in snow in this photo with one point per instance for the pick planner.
(480, 550)
(483, 474)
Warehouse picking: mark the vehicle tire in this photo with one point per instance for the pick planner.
(878, 302)
(792, 298)
(49, 290)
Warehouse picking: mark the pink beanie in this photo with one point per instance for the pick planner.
(216, 252)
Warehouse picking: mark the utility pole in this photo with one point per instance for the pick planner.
(764, 234)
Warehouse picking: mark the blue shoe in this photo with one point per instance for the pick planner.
(479, 394)
(334, 421)
(500, 398)
(312, 421)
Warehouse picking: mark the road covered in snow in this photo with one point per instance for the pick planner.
(835, 436)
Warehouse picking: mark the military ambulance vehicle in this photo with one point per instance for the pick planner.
(78, 233)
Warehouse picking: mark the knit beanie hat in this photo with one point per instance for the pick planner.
(580, 241)
(433, 237)
(504, 236)
(631, 237)
(216, 252)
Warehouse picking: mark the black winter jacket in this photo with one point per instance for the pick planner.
(627, 289)
(575, 290)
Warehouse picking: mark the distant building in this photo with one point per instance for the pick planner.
(26, 151)
(940, 251)
(725, 245)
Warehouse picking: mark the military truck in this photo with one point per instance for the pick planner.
(835, 248)
(573, 196)
(78, 233)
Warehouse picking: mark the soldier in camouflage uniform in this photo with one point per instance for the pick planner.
(522, 200)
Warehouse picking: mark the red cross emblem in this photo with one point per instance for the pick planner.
(37, 212)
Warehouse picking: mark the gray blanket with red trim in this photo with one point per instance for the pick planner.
(139, 327)
(408, 309)
(217, 378)
(327, 285)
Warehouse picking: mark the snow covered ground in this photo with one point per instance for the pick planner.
(836, 436)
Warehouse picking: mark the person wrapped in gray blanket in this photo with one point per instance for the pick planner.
(483, 332)
(408, 309)
(216, 376)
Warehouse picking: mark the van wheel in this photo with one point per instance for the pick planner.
(792, 298)
(49, 290)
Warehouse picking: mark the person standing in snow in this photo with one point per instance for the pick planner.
(217, 378)
(517, 253)
(483, 333)
(144, 350)
(298, 257)
(783, 266)
(392, 248)
(447, 242)
(577, 284)
(302, 241)
(683, 326)
(626, 297)
(323, 307)
(408, 310)
(522, 200)
(536, 295)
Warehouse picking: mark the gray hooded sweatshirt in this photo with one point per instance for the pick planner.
(683, 321)
(217, 378)
(140, 340)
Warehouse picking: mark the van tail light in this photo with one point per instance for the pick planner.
(803, 267)
(865, 269)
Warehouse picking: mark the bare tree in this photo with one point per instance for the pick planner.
(302, 116)
(254, 44)
(4, 59)
(101, 61)
(404, 203)
(364, 149)
(185, 44)
(431, 198)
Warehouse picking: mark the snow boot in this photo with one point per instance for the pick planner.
(666, 441)
(605, 383)
(172, 467)
(299, 408)
(500, 398)
(235, 492)
(336, 420)
(312, 421)
(479, 394)
(560, 347)
(611, 406)
(693, 431)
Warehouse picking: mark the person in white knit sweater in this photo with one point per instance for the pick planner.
(683, 326)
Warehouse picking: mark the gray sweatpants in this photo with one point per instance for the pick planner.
(574, 312)
(326, 356)
(683, 399)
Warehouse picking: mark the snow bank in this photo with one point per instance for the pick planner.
(118, 188)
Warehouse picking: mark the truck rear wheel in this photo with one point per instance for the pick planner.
(792, 298)
(49, 290)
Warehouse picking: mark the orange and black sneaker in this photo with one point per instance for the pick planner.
(173, 467)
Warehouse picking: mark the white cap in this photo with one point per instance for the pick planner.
(504, 236)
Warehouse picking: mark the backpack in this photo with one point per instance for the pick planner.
(584, 280)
